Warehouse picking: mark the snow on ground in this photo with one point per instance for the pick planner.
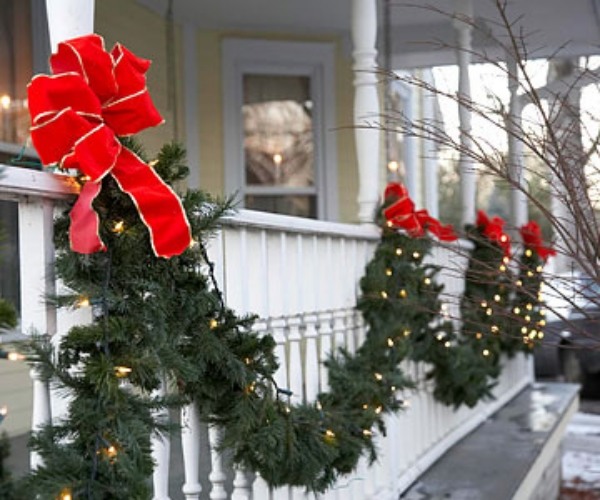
(581, 453)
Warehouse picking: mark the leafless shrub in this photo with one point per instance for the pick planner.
(561, 145)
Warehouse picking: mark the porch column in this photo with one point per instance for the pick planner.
(68, 19)
(468, 175)
(518, 199)
(366, 106)
(430, 159)
(38, 316)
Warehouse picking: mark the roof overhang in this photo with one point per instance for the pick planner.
(422, 32)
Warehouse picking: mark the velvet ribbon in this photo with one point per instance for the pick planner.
(493, 230)
(400, 213)
(77, 113)
(532, 238)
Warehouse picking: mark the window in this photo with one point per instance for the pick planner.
(24, 50)
(15, 61)
(278, 115)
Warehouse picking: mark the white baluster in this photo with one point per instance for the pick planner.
(339, 329)
(295, 361)
(296, 375)
(361, 331)
(241, 486)
(260, 489)
(312, 358)
(350, 321)
(190, 444)
(41, 410)
(366, 105)
(278, 331)
(325, 348)
(161, 452)
(217, 475)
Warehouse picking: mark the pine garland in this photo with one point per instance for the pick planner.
(467, 375)
(157, 319)
(500, 314)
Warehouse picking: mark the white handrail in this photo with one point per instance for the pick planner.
(301, 277)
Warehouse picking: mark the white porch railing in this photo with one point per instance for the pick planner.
(300, 277)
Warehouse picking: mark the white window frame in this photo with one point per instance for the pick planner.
(312, 59)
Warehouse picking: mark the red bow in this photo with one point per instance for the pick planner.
(493, 230)
(401, 214)
(532, 238)
(77, 113)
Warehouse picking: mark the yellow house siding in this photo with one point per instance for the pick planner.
(145, 33)
(210, 123)
(347, 166)
(16, 394)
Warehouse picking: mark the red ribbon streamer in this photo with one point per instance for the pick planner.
(532, 238)
(77, 113)
(401, 214)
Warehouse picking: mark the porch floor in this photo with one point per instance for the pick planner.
(492, 462)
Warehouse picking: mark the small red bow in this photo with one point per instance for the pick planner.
(532, 238)
(493, 230)
(401, 214)
(77, 113)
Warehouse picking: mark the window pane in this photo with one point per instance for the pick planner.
(298, 205)
(9, 253)
(278, 131)
(16, 63)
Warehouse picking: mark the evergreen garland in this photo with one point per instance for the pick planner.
(467, 375)
(500, 314)
(400, 299)
(158, 320)
(7, 491)
(161, 320)
(528, 313)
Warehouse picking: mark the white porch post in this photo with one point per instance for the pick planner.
(518, 200)
(366, 105)
(68, 19)
(430, 160)
(468, 175)
(37, 282)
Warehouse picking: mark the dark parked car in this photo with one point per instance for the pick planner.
(571, 347)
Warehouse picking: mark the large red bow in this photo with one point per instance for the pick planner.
(77, 113)
(401, 214)
(532, 238)
(493, 230)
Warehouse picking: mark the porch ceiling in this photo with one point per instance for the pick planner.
(422, 33)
